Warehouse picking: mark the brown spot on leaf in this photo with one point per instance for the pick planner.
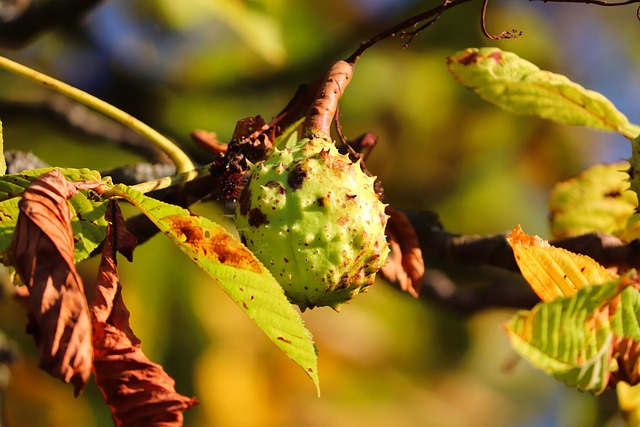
(496, 56)
(220, 246)
(283, 339)
(626, 352)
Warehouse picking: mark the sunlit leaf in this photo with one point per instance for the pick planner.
(596, 200)
(554, 272)
(516, 85)
(87, 222)
(629, 402)
(237, 271)
(589, 341)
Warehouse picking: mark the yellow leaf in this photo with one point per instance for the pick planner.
(629, 402)
(554, 272)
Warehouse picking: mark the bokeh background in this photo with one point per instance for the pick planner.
(386, 359)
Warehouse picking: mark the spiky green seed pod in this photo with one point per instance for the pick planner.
(312, 217)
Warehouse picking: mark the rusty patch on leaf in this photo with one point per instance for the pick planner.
(468, 58)
(496, 56)
(213, 245)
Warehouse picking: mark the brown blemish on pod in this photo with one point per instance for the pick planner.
(257, 218)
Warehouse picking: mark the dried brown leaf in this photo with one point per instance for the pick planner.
(405, 266)
(43, 248)
(208, 141)
(139, 392)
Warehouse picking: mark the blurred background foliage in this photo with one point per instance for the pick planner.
(385, 359)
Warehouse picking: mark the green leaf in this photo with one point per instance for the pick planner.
(516, 85)
(88, 223)
(289, 136)
(237, 271)
(576, 339)
(596, 200)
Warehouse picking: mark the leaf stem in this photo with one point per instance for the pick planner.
(170, 181)
(180, 159)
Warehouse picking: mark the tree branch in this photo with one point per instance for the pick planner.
(21, 21)
(472, 251)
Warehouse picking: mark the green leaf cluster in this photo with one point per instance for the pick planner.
(577, 339)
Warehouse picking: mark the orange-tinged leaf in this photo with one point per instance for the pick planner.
(43, 248)
(139, 392)
(554, 272)
(210, 244)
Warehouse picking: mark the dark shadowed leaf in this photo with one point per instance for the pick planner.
(139, 392)
(43, 248)
(234, 267)
(405, 266)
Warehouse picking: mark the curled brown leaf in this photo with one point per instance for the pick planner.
(139, 392)
(405, 266)
(43, 248)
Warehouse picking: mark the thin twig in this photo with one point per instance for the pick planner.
(412, 34)
(596, 2)
(402, 26)
(502, 35)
